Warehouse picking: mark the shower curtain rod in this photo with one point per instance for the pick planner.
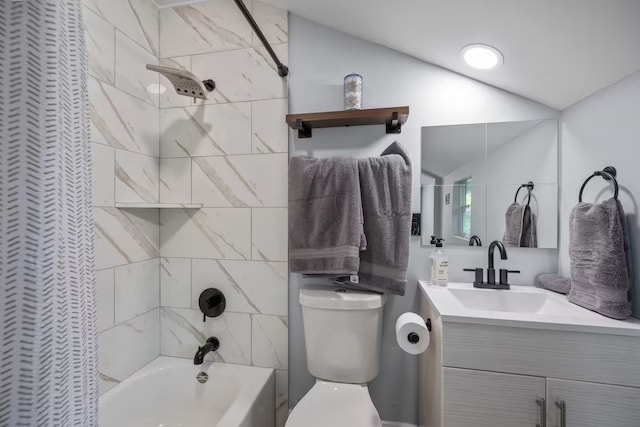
(283, 70)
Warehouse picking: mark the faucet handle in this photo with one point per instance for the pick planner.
(504, 276)
(479, 277)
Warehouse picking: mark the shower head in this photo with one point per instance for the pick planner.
(184, 82)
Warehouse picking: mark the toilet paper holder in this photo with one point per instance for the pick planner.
(414, 338)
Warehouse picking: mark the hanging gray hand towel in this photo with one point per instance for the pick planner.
(385, 183)
(325, 216)
(529, 235)
(513, 229)
(520, 230)
(600, 259)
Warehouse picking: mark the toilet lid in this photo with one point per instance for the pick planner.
(336, 405)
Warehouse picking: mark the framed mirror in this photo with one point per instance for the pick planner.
(491, 181)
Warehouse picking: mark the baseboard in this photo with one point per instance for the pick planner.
(396, 424)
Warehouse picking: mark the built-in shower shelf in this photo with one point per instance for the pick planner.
(127, 205)
(393, 118)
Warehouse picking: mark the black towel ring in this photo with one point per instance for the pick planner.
(529, 186)
(609, 173)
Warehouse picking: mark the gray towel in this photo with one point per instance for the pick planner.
(325, 216)
(600, 259)
(385, 183)
(554, 283)
(520, 230)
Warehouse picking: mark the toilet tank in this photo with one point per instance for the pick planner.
(342, 330)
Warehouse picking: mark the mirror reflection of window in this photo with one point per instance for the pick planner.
(462, 208)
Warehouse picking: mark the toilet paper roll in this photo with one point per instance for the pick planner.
(412, 333)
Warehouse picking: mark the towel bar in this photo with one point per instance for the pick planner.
(529, 186)
(609, 174)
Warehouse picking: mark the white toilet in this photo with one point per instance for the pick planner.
(342, 332)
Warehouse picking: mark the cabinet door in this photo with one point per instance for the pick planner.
(593, 405)
(489, 399)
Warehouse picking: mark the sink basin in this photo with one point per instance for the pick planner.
(505, 301)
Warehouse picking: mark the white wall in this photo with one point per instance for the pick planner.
(319, 58)
(603, 130)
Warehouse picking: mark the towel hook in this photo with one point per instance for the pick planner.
(609, 174)
(529, 186)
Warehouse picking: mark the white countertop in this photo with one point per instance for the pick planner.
(555, 312)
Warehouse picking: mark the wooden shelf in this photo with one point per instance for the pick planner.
(128, 205)
(393, 118)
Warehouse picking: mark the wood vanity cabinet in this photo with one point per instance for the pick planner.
(495, 376)
(489, 399)
(592, 404)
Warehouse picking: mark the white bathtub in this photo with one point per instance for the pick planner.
(166, 393)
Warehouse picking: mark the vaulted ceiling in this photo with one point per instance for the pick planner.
(555, 51)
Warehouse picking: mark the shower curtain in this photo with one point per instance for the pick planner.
(48, 372)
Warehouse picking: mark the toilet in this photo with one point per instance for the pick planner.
(342, 330)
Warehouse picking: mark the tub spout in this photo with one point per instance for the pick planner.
(212, 344)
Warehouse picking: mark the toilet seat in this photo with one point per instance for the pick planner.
(336, 405)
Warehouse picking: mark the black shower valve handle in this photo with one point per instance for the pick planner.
(212, 303)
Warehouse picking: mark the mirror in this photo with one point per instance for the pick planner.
(491, 181)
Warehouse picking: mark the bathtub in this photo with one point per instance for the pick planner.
(167, 393)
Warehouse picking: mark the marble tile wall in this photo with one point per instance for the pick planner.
(230, 154)
(122, 37)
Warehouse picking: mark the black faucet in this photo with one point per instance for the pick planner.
(491, 271)
(475, 239)
(212, 344)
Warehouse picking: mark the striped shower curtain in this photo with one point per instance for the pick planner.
(47, 280)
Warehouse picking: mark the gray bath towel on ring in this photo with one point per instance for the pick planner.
(600, 259)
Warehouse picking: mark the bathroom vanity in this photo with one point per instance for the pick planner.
(525, 357)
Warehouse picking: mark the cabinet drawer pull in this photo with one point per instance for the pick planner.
(562, 405)
(542, 404)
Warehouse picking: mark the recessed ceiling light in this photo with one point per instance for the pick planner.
(482, 56)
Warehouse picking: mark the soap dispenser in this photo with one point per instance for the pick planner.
(439, 265)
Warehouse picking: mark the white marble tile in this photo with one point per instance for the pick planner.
(204, 27)
(103, 175)
(121, 120)
(105, 298)
(269, 133)
(249, 286)
(99, 36)
(137, 289)
(282, 397)
(175, 180)
(206, 130)
(127, 347)
(169, 98)
(136, 18)
(269, 341)
(256, 180)
(243, 75)
(269, 234)
(182, 331)
(175, 282)
(273, 22)
(132, 75)
(123, 237)
(206, 233)
(137, 177)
